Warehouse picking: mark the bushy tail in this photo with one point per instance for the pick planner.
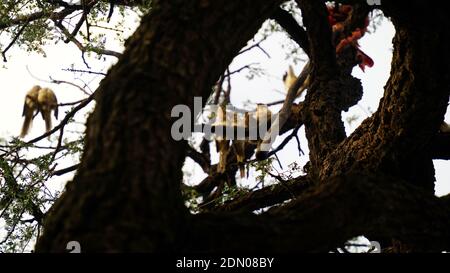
(48, 121)
(46, 115)
(26, 125)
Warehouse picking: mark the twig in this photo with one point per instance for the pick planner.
(70, 103)
(263, 51)
(278, 160)
(300, 151)
(70, 83)
(275, 103)
(84, 48)
(84, 71)
(58, 146)
(107, 28)
(283, 183)
(257, 45)
(284, 143)
(13, 41)
(240, 69)
(228, 91)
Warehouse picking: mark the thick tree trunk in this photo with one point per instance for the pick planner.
(125, 196)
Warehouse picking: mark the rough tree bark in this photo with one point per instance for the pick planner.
(126, 194)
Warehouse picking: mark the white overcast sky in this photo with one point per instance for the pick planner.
(23, 70)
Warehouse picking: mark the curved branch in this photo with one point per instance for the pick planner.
(13, 40)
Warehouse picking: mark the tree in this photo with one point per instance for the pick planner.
(377, 182)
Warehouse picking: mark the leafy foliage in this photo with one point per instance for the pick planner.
(32, 25)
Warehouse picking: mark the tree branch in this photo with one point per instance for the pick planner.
(25, 18)
(322, 56)
(65, 170)
(13, 41)
(83, 48)
(290, 25)
(327, 216)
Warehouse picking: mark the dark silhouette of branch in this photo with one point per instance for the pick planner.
(199, 158)
(328, 215)
(288, 23)
(284, 143)
(66, 170)
(24, 19)
(22, 28)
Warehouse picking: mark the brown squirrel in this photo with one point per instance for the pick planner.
(39, 100)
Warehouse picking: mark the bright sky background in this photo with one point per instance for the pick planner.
(23, 70)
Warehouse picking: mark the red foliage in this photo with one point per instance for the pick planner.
(337, 15)
(364, 60)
